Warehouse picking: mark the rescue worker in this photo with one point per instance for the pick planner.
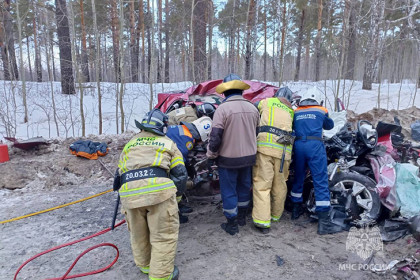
(274, 152)
(186, 114)
(189, 114)
(233, 146)
(309, 151)
(151, 169)
(185, 136)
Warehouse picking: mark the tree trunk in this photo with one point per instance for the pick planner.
(199, 40)
(9, 43)
(167, 46)
(64, 45)
(352, 39)
(372, 53)
(265, 43)
(151, 57)
(249, 26)
(38, 66)
(283, 40)
(210, 48)
(299, 48)
(22, 76)
(134, 55)
(97, 65)
(231, 55)
(29, 59)
(143, 57)
(84, 54)
(149, 43)
(121, 55)
(115, 40)
(318, 41)
(160, 55)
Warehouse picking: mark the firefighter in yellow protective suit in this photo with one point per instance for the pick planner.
(274, 150)
(151, 168)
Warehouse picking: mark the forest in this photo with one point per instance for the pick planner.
(76, 42)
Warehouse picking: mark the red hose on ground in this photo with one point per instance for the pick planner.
(66, 275)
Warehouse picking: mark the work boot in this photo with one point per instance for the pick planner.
(263, 230)
(182, 219)
(231, 226)
(175, 274)
(297, 211)
(242, 216)
(184, 209)
(325, 225)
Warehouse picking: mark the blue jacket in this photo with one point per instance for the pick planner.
(310, 120)
(183, 139)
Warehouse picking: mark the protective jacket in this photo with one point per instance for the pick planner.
(151, 169)
(88, 149)
(233, 136)
(275, 113)
(184, 114)
(183, 138)
(309, 151)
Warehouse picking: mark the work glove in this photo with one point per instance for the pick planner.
(210, 163)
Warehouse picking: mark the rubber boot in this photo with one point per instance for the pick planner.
(184, 209)
(182, 219)
(325, 225)
(242, 216)
(297, 211)
(231, 226)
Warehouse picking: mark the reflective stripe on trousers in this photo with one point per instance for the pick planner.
(146, 189)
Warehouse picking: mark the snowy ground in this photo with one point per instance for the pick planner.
(136, 103)
(50, 176)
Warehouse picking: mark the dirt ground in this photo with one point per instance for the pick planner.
(50, 176)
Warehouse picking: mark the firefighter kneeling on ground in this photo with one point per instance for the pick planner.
(151, 169)
(309, 151)
(274, 151)
(186, 135)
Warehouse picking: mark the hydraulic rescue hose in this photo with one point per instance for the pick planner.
(66, 275)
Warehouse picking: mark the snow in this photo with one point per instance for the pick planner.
(136, 104)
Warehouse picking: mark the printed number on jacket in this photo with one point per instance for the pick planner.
(139, 174)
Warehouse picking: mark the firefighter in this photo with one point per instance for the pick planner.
(233, 146)
(185, 136)
(186, 114)
(309, 151)
(274, 146)
(151, 170)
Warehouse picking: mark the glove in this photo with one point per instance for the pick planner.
(210, 163)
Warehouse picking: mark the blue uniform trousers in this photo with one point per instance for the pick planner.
(235, 188)
(311, 153)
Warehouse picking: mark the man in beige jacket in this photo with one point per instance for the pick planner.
(151, 168)
(233, 146)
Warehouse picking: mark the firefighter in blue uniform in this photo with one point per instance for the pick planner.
(309, 151)
(185, 136)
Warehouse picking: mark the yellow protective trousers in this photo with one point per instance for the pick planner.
(154, 236)
(269, 189)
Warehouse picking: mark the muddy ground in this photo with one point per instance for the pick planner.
(50, 176)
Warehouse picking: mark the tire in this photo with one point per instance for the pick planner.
(365, 203)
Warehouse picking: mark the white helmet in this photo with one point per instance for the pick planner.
(311, 94)
(203, 126)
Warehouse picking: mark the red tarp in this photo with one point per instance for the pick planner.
(206, 92)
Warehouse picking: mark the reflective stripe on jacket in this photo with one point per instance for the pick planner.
(310, 120)
(183, 139)
(148, 150)
(278, 113)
